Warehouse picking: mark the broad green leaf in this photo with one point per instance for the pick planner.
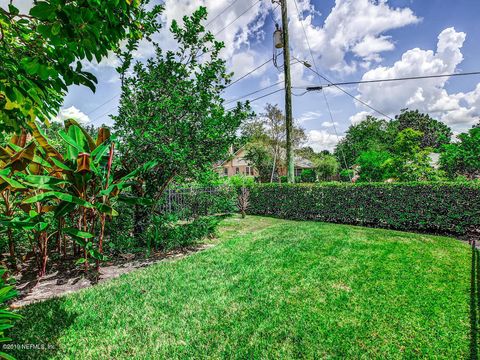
(43, 10)
(64, 208)
(103, 208)
(59, 195)
(61, 165)
(78, 233)
(13, 183)
(80, 139)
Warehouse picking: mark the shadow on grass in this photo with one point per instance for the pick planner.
(36, 335)
(474, 302)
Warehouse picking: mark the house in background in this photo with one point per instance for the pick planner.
(236, 164)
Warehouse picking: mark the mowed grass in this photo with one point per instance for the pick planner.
(272, 288)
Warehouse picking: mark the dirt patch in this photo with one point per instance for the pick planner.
(61, 280)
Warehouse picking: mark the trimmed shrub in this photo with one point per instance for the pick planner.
(452, 208)
(168, 233)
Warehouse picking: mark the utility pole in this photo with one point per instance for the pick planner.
(288, 94)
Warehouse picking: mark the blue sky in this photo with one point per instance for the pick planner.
(350, 40)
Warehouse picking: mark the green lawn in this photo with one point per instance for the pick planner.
(273, 289)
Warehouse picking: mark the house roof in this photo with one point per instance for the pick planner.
(300, 162)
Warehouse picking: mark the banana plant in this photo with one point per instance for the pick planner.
(43, 188)
(91, 185)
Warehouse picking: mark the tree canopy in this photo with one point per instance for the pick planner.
(266, 138)
(435, 133)
(371, 134)
(463, 158)
(43, 52)
(172, 109)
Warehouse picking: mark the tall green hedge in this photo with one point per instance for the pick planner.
(452, 208)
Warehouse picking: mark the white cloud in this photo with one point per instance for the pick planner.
(328, 124)
(359, 117)
(308, 116)
(353, 27)
(244, 62)
(322, 140)
(459, 110)
(72, 113)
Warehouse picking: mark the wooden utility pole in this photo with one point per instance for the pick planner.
(288, 94)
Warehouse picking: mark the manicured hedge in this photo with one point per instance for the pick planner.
(434, 207)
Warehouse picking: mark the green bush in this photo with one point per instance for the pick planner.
(168, 232)
(346, 175)
(7, 292)
(435, 207)
(308, 176)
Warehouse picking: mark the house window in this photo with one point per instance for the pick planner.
(248, 170)
(237, 170)
(225, 171)
(298, 172)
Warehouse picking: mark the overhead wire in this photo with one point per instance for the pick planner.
(396, 79)
(238, 17)
(247, 74)
(328, 80)
(252, 93)
(324, 95)
(219, 14)
(260, 97)
(102, 104)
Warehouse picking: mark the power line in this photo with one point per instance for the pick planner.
(254, 92)
(102, 104)
(392, 79)
(216, 17)
(328, 80)
(247, 74)
(324, 95)
(238, 17)
(261, 97)
(105, 113)
(355, 98)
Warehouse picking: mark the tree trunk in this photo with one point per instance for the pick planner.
(141, 217)
(11, 245)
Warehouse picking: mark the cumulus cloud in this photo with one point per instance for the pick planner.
(72, 113)
(322, 140)
(328, 124)
(428, 95)
(359, 117)
(308, 116)
(354, 27)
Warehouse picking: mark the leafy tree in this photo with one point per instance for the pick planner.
(435, 133)
(42, 52)
(371, 134)
(260, 157)
(268, 132)
(463, 158)
(308, 176)
(172, 110)
(409, 162)
(326, 167)
(372, 165)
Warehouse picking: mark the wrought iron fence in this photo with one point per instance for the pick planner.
(188, 202)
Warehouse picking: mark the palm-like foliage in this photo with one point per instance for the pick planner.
(43, 190)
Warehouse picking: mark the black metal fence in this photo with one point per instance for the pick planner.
(188, 202)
